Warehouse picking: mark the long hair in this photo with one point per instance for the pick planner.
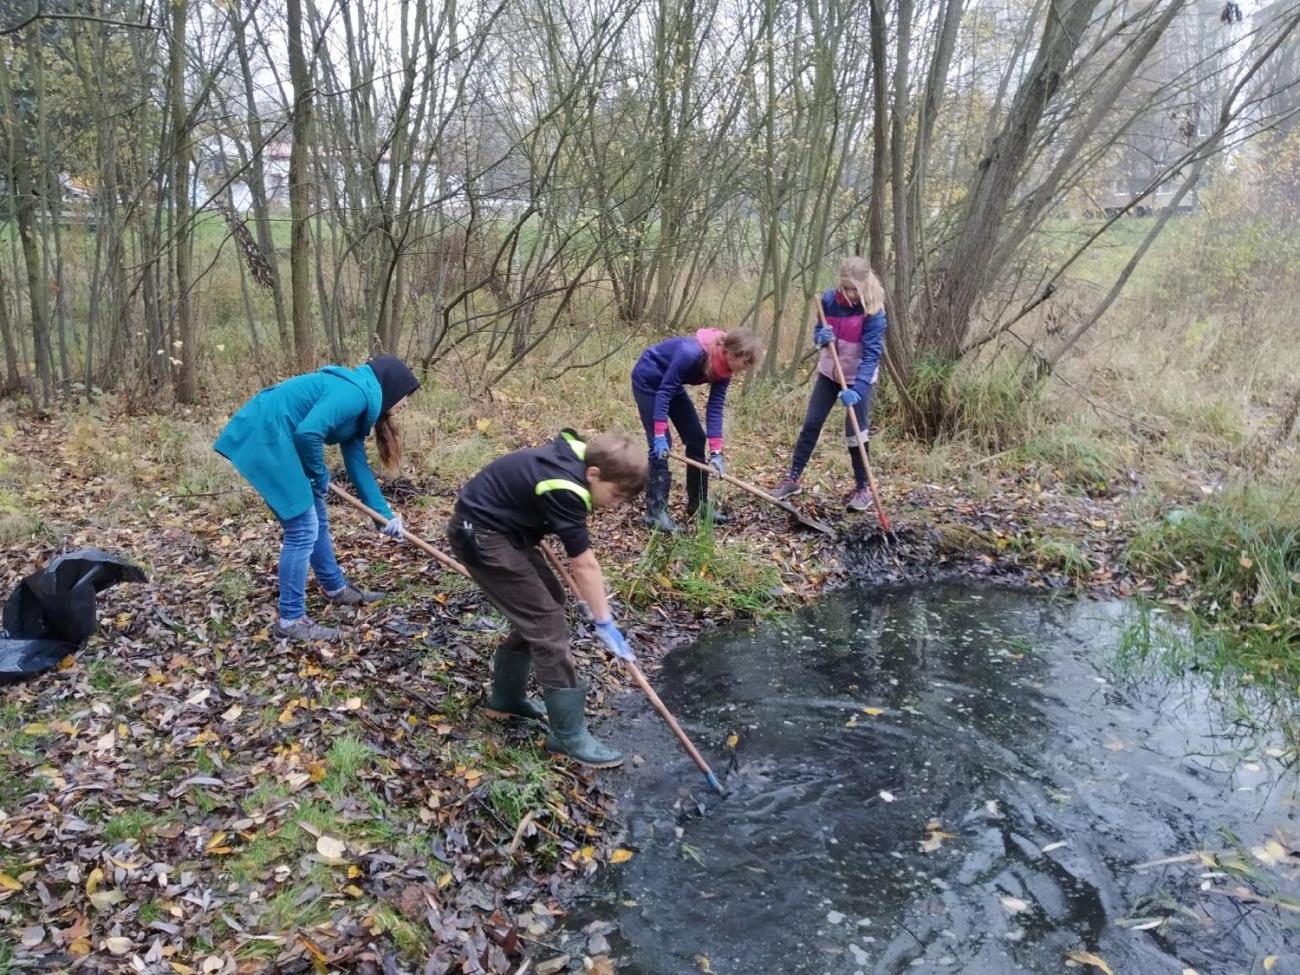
(856, 272)
(389, 441)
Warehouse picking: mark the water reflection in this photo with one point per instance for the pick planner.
(938, 779)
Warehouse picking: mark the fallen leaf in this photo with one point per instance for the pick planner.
(1088, 958)
(552, 965)
(1014, 904)
(1269, 962)
(353, 704)
(36, 728)
(936, 837)
(118, 945)
(31, 937)
(8, 882)
(80, 947)
(1247, 562)
(620, 856)
(703, 962)
(887, 796)
(331, 849)
(1054, 846)
(1270, 853)
(874, 712)
(733, 740)
(586, 854)
(106, 899)
(230, 714)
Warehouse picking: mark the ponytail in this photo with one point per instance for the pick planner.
(390, 442)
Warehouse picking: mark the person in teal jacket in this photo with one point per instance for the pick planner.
(277, 442)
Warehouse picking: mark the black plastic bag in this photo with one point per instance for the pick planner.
(52, 612)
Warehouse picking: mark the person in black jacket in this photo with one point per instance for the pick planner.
(500, 517)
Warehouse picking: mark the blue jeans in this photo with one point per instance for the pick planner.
(825, 392)
(306, 542)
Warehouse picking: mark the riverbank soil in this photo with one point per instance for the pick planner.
(189, 795)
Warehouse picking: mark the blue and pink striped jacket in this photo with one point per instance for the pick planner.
(859, 340)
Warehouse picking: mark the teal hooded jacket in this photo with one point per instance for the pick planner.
(277, 439)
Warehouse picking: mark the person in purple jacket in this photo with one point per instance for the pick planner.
(659, 383)
(855, 322)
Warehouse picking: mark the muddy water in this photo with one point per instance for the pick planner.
(988, 814)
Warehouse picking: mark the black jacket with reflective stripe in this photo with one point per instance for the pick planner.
(531, 493)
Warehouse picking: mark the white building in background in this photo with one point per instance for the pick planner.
(218, 160)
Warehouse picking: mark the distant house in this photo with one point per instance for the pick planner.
(221, 160)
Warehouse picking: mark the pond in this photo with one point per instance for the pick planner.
(943, 779)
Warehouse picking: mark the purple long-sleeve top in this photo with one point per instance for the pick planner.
(664, 369)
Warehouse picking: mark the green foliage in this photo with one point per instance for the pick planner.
(1240, 555)
(693, 568)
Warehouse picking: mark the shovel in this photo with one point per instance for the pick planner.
(758, 492)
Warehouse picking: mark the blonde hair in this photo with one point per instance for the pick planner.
(741, 343)
(856, 273)
(620, 460)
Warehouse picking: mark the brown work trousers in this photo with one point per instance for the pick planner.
(522, 586)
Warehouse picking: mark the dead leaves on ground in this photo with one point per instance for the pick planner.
(189, 796)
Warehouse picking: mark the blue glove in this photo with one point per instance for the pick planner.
(393, 529)
(661, 446)
(321, 487)
(823, 336)
(614, 640)
(717, 463)
(850, 397)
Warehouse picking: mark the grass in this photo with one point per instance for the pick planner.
(347, 758)
(705, 576)
(1240, 554)
(132, 824)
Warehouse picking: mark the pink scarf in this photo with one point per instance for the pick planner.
(711, 340)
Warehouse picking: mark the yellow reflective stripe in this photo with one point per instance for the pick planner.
(560, 484)
(578, 446)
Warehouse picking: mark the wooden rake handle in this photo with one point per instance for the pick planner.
(640, 679)
(414, 539)
(857, 427)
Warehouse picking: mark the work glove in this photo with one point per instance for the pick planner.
(717, 463)
(823, 336)
(661, 446)
(850, 397)
(321, 486)
(394, 527)
(614, 641)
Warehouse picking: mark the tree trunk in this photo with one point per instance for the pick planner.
(299, 191)
(256, 178)
(186, 377)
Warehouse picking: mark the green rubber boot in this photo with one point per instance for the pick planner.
(509, 696)
(569, 735)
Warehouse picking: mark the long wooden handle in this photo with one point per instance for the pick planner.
(640, 680)
(669, 720)
(566, 574)
(753, 489)
(415, 540)
(857, 428)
